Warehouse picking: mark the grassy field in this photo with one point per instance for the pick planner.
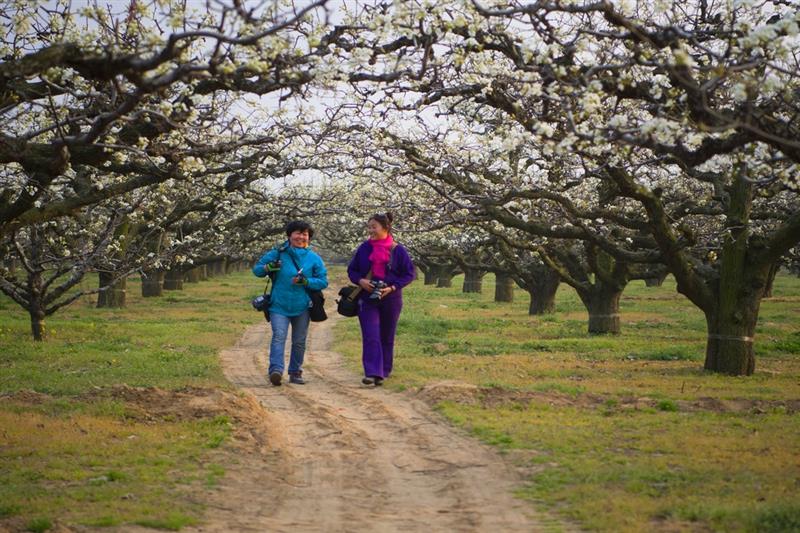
(623, 433)
(618, 433)
(72, 449)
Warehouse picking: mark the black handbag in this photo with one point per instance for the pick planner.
(347, 305)
(317, 310)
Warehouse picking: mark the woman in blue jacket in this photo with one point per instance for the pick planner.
(382, 268)
(295, 269)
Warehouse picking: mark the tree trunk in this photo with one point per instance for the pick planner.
(37, 325)
(173, 279)
(219, 267)
(196, 274)
(603, 306)
(114, 293)
(732, 321)
(773, 271)
(430, 276)
(445, 278)
(543, 293)
(655, 282)
(152, 283)
(503, 288)
(473, 280)
(36, 305)
(732, 317)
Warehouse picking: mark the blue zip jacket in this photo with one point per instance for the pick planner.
(289, 299)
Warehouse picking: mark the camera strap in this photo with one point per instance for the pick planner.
(355, 292)
(291, 256)
(294, 260)
(267, 287)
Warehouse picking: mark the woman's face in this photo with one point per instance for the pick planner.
(299, 239)
(375, 230)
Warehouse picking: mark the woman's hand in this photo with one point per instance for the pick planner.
(386, 291)
(365, 284)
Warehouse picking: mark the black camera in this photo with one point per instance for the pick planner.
(261, 302)
(376, 289)
(273, 266)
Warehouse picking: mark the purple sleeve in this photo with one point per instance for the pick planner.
(354, 269)
(402, 272)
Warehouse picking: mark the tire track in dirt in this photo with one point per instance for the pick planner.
(339, 456)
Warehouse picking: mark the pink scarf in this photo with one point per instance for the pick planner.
(379, 257)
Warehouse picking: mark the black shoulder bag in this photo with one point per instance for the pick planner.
(347, 305)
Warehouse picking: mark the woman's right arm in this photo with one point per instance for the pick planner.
(260, 268)
(354, 272)
(352, 268)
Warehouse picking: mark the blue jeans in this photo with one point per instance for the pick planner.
(280, 330)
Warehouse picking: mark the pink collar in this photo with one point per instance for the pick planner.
(386, 242)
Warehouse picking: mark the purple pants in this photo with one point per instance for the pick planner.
(378, 325)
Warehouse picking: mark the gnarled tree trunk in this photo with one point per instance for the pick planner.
(152, 283)
(773, 272)
(173, 279)
(603, 305)
(503, 288)
(445, 278)
(473, 280)
(36, 308)
(428, 273)
(220, 266)
(732, 325)
(656, 281)
(732, 316)
(443, 273)
(196, 274)
(112, 293)
(542, 291)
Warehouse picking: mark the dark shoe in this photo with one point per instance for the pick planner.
(297, 379)
(378, 382)
(275, 378)
(367, 380)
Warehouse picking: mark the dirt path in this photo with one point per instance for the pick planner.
(339, 456)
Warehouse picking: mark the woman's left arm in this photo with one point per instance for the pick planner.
(402, 272)
(319, 278)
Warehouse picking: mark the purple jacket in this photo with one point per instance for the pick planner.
(399, 272)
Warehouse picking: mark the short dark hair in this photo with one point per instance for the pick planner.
(384, 219)
(299, 225)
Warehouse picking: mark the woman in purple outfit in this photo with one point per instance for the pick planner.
(382, 268)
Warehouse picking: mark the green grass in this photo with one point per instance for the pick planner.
(152, 341)
(625, 432)
(91, 459)
(39, 525)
